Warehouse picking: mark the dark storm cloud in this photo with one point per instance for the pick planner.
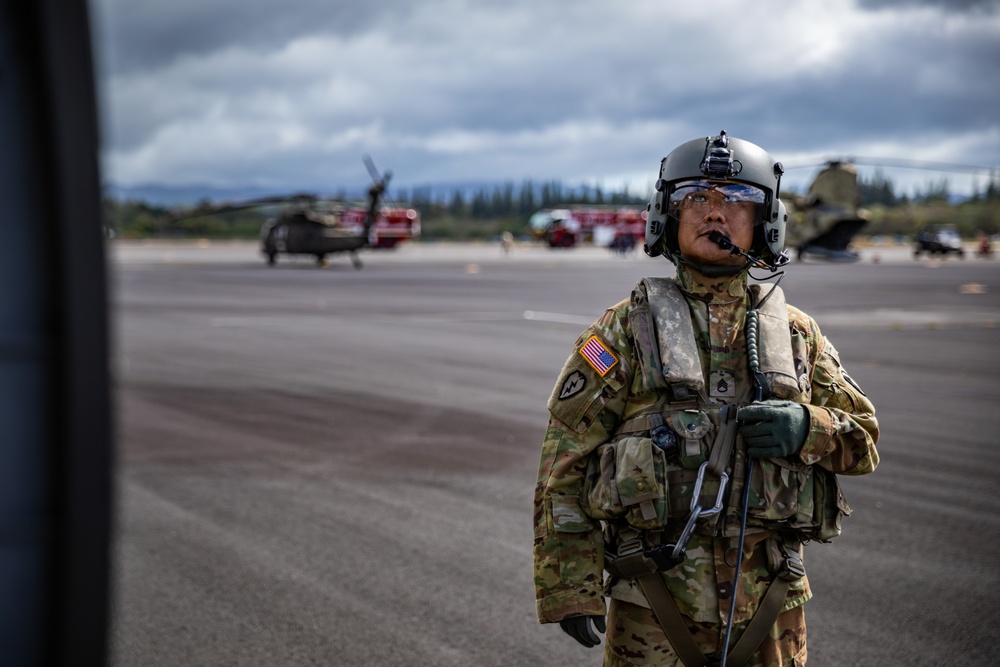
(443, 90)
(949, 5)
(877, 93)
(148, 34)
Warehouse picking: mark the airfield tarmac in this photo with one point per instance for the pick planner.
(335, 467)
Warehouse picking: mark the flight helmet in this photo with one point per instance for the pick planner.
(736, 168)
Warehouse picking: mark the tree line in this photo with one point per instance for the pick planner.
(506, 200)
(880, 190)
(485, 211)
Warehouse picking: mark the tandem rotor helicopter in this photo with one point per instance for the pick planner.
(824, 221)
(311, 225)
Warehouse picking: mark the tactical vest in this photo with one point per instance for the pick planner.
(646, 476)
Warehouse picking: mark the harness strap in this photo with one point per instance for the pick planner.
(680, 638)
(761, 623)
(671, 621)
(635, 425)
(648, 422)
(725, 438)
(635, 563)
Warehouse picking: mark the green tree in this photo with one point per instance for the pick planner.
(457, 206)
(876, 190)
(526, 203)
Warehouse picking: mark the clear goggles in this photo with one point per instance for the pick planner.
(701, 194)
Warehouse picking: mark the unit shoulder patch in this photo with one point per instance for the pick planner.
(572, 385)
(598, 356)
(851, 382)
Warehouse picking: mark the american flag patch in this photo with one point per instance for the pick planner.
(598, 356)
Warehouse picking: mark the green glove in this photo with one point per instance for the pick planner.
(774, 429)
(581, 628)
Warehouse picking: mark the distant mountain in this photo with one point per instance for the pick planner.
(189, 195)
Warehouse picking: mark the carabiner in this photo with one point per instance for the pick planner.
(696, 494)
(680, 548)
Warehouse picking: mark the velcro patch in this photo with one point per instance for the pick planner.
(851, 381)
(572, 385)
(722, 384)
(598, 356)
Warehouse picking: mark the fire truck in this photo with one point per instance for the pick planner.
(614, 227)
(394, 225)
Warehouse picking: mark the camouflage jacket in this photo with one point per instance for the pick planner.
(602, 387)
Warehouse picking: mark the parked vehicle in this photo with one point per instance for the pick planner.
(610, 226)
(939, 240)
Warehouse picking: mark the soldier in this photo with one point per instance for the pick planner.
(699, 424)
(506, 242)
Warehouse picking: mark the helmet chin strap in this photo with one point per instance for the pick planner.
(714, 270)
(720, 270)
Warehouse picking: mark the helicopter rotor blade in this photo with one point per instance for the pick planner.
(897, 163)
(372, 171)
(301, 199)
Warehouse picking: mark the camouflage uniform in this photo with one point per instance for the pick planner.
(588, 409)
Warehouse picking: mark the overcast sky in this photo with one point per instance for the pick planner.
(290, 94)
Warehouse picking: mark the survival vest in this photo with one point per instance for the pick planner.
(646, 477)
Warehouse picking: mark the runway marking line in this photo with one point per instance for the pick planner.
(285, 320)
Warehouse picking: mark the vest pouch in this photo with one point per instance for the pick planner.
(627, 479)
(694, 431)
(641, 478)
(599, 498)
(830, 504)
(782, 494)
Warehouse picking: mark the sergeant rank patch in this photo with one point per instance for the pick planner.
(722, 384)
(572, 385)
(598, 356)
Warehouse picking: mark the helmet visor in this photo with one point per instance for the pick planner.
(702, 196)
(728, 191)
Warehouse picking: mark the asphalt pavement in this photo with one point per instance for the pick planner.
(331, 466)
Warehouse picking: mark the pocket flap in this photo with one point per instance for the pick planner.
(691, 424)
(635, 472)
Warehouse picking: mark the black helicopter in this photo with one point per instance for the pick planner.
(309, 225)
(306, 230)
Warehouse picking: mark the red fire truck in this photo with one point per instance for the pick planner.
(394, 225)
(614, 227)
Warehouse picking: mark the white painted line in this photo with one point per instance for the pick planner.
(562, 318)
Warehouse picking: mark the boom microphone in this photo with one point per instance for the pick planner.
(721, 240)
(724, 242)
